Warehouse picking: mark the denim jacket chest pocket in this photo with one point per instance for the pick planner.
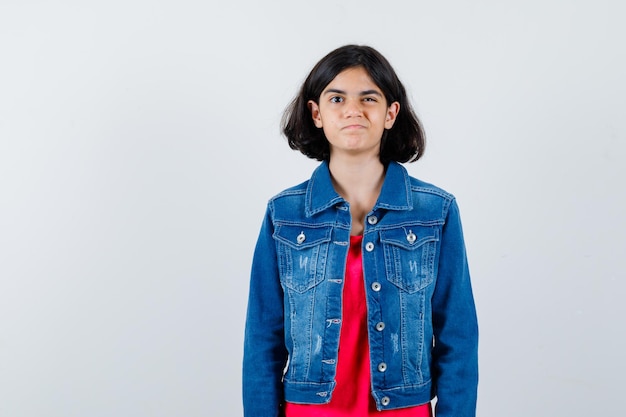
(410, 253)
(302, 252)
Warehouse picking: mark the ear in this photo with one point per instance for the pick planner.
(392, 113)
(314, 108)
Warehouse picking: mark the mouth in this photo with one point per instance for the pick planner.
(353, 127)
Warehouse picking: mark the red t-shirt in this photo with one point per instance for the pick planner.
(352, 397)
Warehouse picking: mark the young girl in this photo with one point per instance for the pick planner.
(360, 300)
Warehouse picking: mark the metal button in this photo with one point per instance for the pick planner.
(382, 367)
(380, 326)
(369, 246)
(376, 286)
(411, 237)
(372, 220)
(385, 401)
(301, 237)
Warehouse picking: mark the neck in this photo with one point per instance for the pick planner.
(357, 178)
(359, 182)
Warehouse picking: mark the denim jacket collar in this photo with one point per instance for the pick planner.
(395, 193)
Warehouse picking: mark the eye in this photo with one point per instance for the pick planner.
(336, 99)
(370, 99)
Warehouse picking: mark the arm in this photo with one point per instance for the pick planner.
(455, 326)
(265, 356)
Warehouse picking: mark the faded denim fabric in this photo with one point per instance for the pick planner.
(423, 331)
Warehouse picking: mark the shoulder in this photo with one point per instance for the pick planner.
(299, 190)
(418, 186)
(295, 191)
(397, 173)
(289, 203)
(427, 197)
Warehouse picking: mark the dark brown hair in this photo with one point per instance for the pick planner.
(404, 142)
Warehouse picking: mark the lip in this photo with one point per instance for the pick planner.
(353, 127)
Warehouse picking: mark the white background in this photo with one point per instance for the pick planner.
(139, 143)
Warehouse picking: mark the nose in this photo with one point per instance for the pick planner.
(353, 108)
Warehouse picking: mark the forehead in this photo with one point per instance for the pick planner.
(353, 79)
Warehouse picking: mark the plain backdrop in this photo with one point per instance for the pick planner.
(139, 143)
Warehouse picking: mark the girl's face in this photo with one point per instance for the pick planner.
(353, 112)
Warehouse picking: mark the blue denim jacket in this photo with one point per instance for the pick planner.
(423, 332)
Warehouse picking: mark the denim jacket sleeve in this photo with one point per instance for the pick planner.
(265, 355)
(455, 327)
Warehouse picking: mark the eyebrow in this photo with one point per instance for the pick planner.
(362, 93)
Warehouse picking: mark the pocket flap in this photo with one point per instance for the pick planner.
(301, 237)
(410, 237)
